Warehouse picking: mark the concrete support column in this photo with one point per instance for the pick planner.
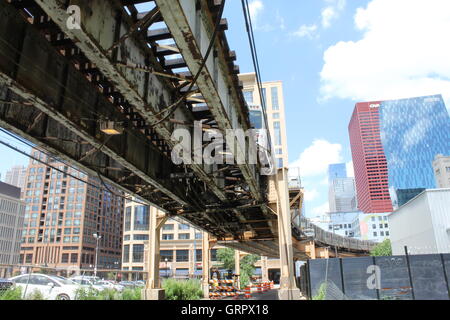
(288, 288)
(205, 264)
(237, 266)
(264, 269)
(153, 289)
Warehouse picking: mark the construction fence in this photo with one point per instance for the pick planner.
(412, 277)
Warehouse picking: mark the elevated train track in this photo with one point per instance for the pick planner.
(68, 67)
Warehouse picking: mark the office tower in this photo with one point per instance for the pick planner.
(413, 131)
(273, 93)
(16, 176)
(369, 160)
(12, 211)
(393, 145)
(64, 209)
(341, 189)
(337, 170)
(441, 168)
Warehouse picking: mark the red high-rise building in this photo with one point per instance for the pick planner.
(369, 160)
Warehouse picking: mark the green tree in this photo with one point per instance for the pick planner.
(382, 249)
(247, 263)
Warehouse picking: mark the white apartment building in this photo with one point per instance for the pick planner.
(441, 168)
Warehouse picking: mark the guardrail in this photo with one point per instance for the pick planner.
(335, 240)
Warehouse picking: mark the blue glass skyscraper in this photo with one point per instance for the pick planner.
(413, 131)
(338, 170)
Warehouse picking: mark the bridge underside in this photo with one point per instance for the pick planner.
(58, 85)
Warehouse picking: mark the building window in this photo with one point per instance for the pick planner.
(74, 258)
(126, 253)
(182, 255)
(65, 258)
(248, 96)
(141, 218)
(183, 236)
(280, 163)
(198, 255)
(183, 226)
(274, 93)
(128, 219)
(167, 236)
(276, 116)
(138, 253)
(198, 235)
(140, 237)
(168, 227)
(213, 254)
(166, 254)
(277, 132)
(375, 234)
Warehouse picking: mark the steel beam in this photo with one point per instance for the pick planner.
(215, 82)
(103, 23)
(32, 69)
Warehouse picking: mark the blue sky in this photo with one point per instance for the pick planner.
(329, 55)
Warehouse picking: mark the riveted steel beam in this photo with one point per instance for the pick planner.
(192, 29)
(31, 68)
(102, 24)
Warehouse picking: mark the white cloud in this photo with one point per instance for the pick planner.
(311, 194)
(315, 159)
(350, 169)
(404, 52)
(309, 31)
(321, 210)
(255, 7)
(332, 12)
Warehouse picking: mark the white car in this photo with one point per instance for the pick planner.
(88, 281)
(51, 287)
(110, 285)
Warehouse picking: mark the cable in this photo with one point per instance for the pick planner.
(174, 106)
(252, 43)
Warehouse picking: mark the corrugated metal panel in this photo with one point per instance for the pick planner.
(411, 225)
(439, 202)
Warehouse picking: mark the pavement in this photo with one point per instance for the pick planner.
(269, 295)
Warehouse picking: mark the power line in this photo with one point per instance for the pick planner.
(68, 174)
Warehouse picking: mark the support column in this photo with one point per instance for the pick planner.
(153, 289)
(288, 288)
(205, 264)
(237, 267)
(264, 269)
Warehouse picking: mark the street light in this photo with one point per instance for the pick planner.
(97, 237)
(166, 267)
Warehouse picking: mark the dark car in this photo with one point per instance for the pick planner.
(5, 284)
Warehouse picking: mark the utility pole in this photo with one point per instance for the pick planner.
(97, 237)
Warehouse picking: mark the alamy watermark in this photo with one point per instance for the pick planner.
(211, 147)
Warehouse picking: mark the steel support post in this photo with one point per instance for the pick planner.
(264, 269)
(205, 264)
(288, 288)
(237, 266)
(153, 290)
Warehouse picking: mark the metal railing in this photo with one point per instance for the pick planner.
(335, 240)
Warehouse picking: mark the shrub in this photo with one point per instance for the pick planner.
(182, 290)
(86, 294)
(321, 295)
(108, 294)
(35, 295)
(13, 293)
(132, 294)
(382, 249)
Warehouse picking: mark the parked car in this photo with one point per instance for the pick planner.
(88, 281)
(127, 284)
(5, 284)
(110, 285)
(51, 287)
